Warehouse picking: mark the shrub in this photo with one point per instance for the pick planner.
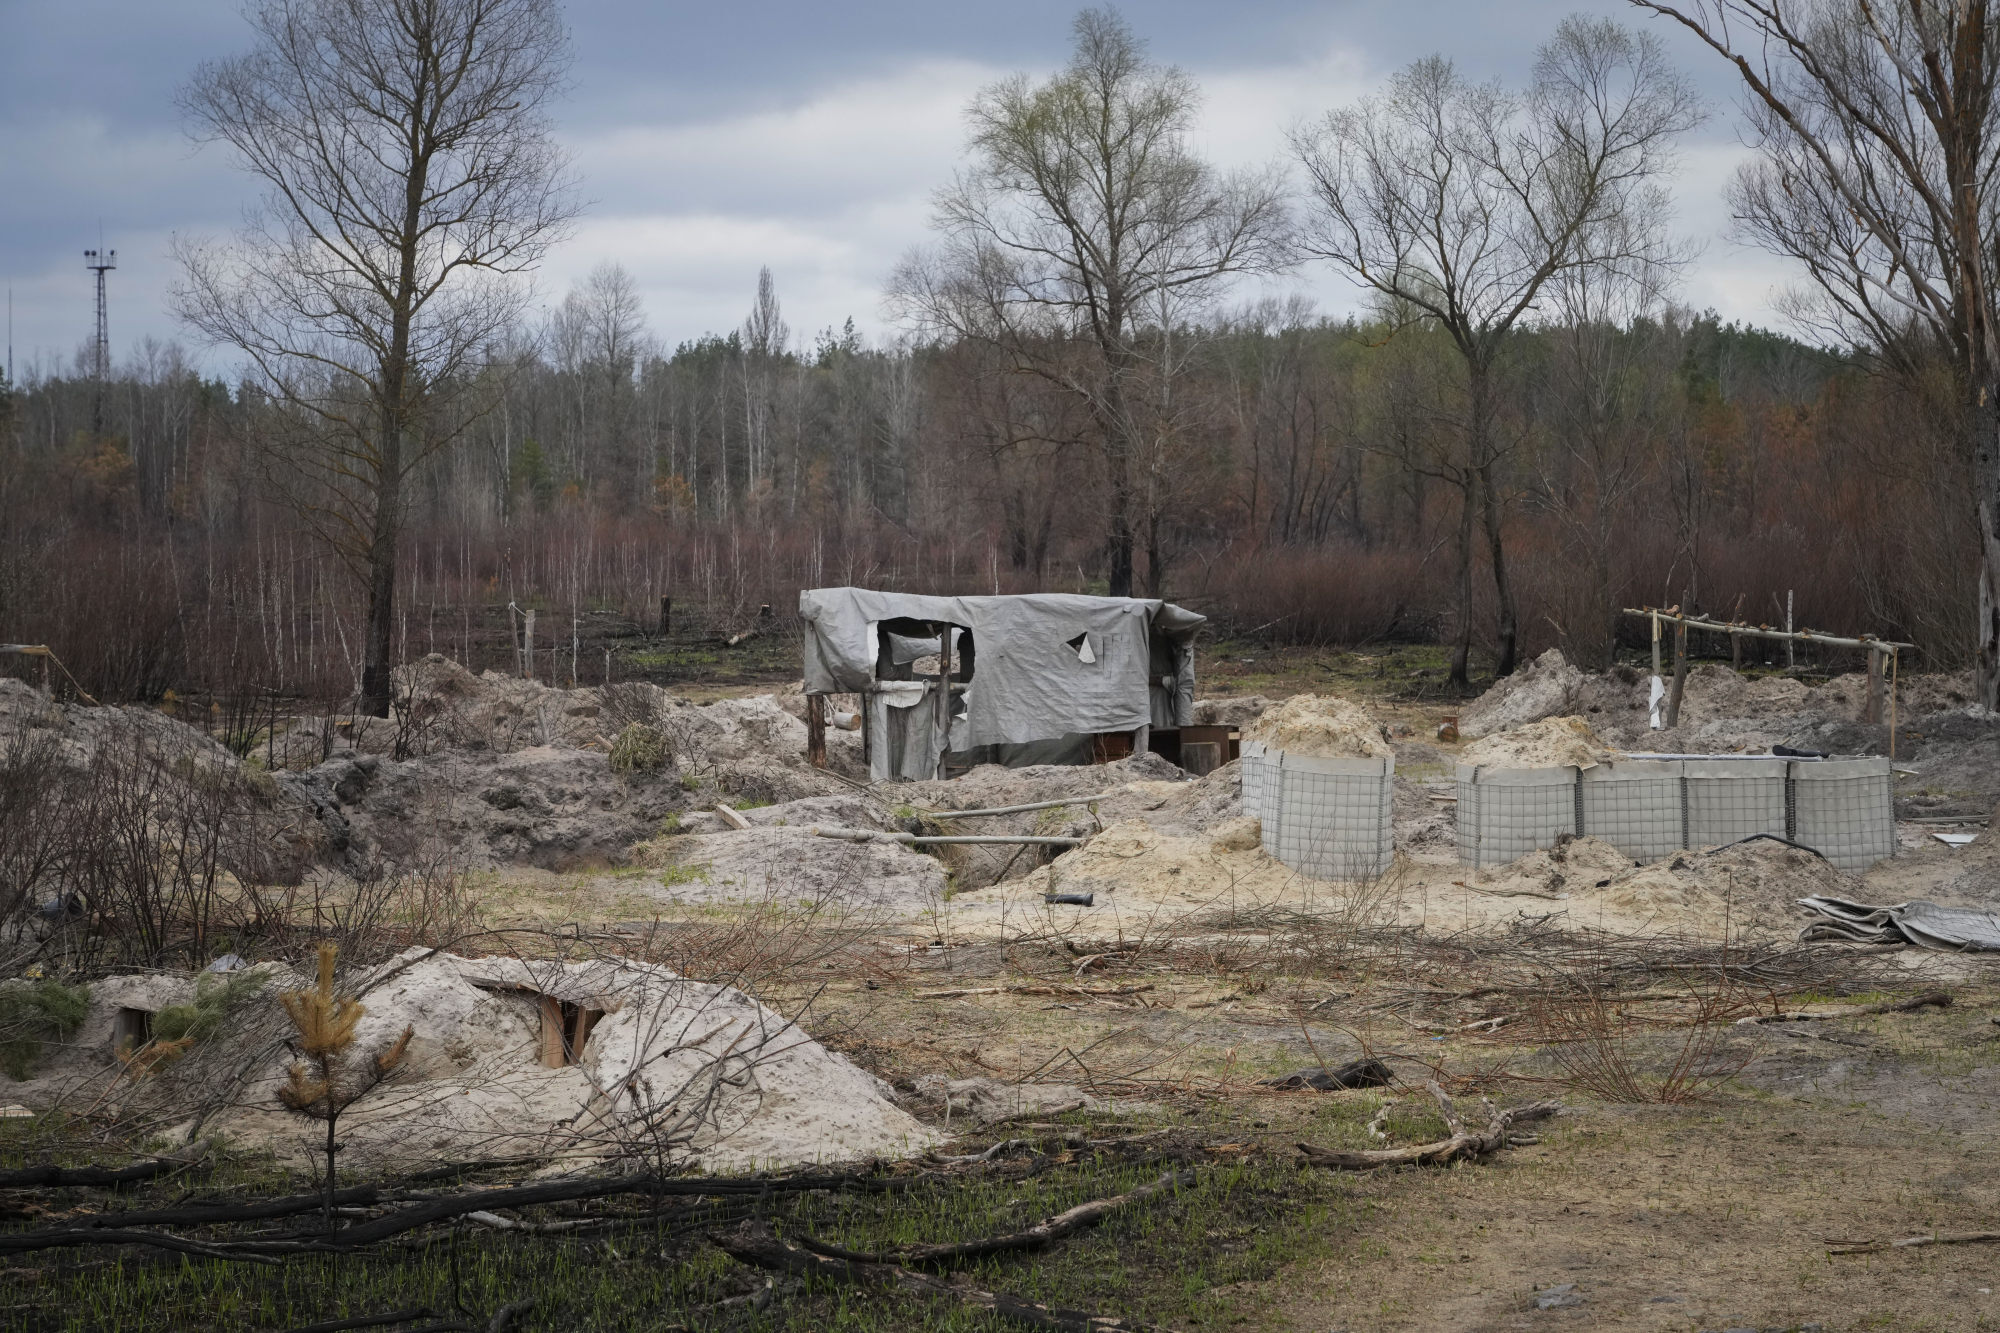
(640, 748)
(32, 1012)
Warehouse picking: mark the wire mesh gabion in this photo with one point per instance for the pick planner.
(1845, 810)
(1328, 818)
(1648, 809)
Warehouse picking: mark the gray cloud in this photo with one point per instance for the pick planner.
(713, 140)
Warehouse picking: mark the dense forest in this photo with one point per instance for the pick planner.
(1305, 491)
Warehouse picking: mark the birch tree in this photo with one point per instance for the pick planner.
(410, 178)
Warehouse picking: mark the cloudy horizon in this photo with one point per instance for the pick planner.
(712, 144)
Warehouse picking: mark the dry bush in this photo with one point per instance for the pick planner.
(1606, 1049)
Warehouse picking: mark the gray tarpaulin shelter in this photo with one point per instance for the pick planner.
(1034, 678)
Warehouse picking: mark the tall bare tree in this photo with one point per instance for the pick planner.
(1083, 230)
(411, 177)
(1457, 203)
(1877, 124)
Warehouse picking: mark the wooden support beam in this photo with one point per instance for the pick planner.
(816, 730)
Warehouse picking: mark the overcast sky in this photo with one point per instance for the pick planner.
(713, 139)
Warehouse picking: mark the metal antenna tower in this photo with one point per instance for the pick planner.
(100, 262)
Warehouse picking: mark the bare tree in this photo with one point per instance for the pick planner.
(411, 178)
(1457, 203)
(1877, 123)
(1083, 231)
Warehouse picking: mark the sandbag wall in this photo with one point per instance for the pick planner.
(1328, 818)
(1842, 808)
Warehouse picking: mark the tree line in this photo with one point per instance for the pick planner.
(1522, 432)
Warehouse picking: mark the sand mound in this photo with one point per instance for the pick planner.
(1745, 886)
(1320, 726)
(788, 864)
(1546, 687)
(1753, 885)
(1238, 712)
(743, 1085)
(1573, 865)
(1135, 866)
(1549, 743)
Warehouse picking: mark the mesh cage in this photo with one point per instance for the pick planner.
(1845, 810)
(1635, 806)
(1252, 769)
(1731, 799)
(1327, 818)
(1509, 812)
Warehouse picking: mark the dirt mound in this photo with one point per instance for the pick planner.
(1320, 726)
(1240, 712)
(1573, 865)
(1549, 743)
(741, 1084)
(1745, 886)
(1546, 687)
(791, 865)
(1751, 884)
(545, 806)
(1134, 866)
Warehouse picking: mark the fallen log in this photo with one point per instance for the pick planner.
(1363, 1073)
(1941, 999)
(1463, 1142)
(55, 1177)
(1099, 991)
(1912, 1242)
(211, 1214)
(752, 1243)
(1045, 1232)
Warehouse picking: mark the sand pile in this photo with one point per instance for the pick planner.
(1320, 726)
(1750, 886)
(548, 806)
(1239, 712)
(1546, 687)
(1572, 866)
(1549, 743)
(787, 864)
(1133, 866)
(1753, 885)
(700, 1071)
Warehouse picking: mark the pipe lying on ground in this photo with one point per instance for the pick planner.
(1023, 809)
(914, 840)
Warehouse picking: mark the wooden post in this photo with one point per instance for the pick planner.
(816, 730)
(1673, 718)
(528, 638)
(666, 615)
(1735, 651)
(1872, 711)
(1791, 645)
(1656, 643)
(944, 695)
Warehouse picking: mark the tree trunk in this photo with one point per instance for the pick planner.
(1503, 588)
(1479, 414)
(1985, 416)
(1461, 653)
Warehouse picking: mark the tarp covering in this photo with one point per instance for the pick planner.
(1927, 925)
(1045, 664)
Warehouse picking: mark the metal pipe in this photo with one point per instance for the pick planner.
(914, 840)
(1022, 809)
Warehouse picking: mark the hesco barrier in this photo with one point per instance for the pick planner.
(1328, 818)
(1842, 808)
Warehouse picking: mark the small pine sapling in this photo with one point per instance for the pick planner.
(324, 1082)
